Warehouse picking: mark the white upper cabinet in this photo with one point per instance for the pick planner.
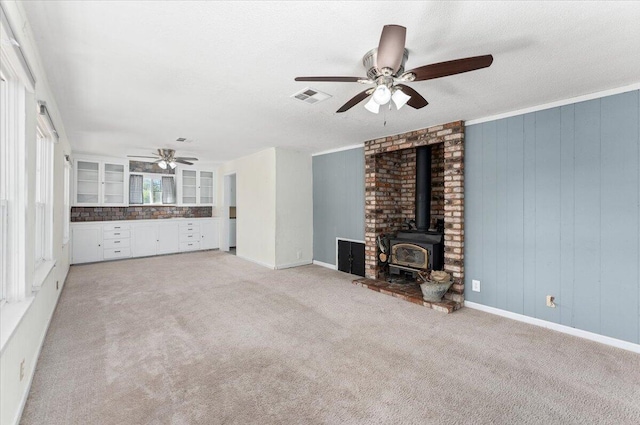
(196, 186)
(100, 183)
(189, 187)
(206, 187)
(87, 183)
(114, 190)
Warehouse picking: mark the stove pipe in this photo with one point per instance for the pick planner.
(423, 188)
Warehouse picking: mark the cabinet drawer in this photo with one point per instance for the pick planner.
(112, 253)
(116, 243)
(190, 246)
(116, 234)
(116, 227)
(190, 228)
(189, 237)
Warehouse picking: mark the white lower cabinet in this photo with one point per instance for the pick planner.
(116, 241)
(145, 239)
(190, 246)
(100, 241)
(86, 244)
(168, 238)
(209, 234)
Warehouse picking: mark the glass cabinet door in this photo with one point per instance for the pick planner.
(206, 187)
(87, 182)
(114, 184)
(189, 187)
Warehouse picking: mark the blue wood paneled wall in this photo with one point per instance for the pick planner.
(552, 208)
(338, 201)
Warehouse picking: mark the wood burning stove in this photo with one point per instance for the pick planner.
(419, 250)
(416, 251)
(410, 255)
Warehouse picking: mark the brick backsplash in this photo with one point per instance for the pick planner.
(79, 214)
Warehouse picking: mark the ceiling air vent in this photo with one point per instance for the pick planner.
(309, 95)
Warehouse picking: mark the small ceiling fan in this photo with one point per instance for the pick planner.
(167, 157)
(385, 69)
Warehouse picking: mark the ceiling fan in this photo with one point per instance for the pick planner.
(385, 69)
(167, 157)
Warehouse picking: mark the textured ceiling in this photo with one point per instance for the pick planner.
(130, 77)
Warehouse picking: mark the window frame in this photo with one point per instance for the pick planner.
(4, 177)
(45, 147)
(153, 176)
(66, 216)
(15, 179)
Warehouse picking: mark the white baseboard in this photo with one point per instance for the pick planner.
(625, 345)
(327, 265)
(291, 265)
(260, 263)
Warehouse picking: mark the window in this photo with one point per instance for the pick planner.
(4, 203)
(16, 80)
(152, 189)
(44, 210)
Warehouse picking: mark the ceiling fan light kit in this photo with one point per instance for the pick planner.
(400, 98)
(372, 106)
(385, 69)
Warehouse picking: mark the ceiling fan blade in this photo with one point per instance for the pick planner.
(416, 101)
(443, 69)
(183, 162)
(141, 156)
(355, 100)
(332, 79)
(185, 158)
(391, 47)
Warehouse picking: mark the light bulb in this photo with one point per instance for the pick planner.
(382, 95)
(400, 98)
(172, 164)
(162, 164)
(372, 106)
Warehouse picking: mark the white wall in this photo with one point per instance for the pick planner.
(255, 205)
(25, 341)
(274, 207)
(294, 208)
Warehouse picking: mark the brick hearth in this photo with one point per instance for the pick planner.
(409, 292)
(390, 195)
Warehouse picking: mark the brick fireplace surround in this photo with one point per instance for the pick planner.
(390, 195)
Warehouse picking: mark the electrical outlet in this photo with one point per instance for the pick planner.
(299, 254)
(550, 301)
(475, 285)
(22, 369)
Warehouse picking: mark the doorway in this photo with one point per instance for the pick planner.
(230, 212)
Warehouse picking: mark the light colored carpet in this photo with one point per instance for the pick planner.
(208, 338)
